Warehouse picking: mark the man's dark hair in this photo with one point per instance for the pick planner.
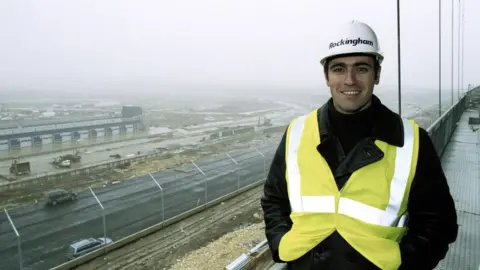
(376, 65)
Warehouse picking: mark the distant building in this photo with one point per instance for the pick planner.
(131, 111)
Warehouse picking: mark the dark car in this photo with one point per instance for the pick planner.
(84, 246)
(52, 197)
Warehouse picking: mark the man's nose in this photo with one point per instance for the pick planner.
(350, 77)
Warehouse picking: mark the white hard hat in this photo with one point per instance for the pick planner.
(354, 37)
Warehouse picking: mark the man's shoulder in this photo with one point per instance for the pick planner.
(424, 137)
(427, 151)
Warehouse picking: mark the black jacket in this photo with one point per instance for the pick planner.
(432, 223)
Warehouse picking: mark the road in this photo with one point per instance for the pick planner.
(130, 206)
(97, 154)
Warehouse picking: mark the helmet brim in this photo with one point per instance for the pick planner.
(377, 55)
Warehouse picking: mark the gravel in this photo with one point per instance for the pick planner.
(221, 252)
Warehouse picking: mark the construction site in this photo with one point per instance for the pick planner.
(26, 179)
(203, 142)
(190, 142)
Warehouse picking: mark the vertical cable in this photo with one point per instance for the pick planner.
(463, 42)
(458, 51)
(399, 62)
(452, 49)
(439, 58)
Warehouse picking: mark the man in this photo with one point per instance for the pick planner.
(352, 184)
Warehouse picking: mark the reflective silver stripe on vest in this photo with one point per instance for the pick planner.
(354, 209)
(294, 186)
(299, 203)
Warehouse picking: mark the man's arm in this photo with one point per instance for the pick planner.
(432, 223)
(275, 203)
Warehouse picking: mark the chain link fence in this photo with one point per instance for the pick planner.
(38, 236)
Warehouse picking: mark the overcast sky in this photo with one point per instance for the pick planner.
(215, 45)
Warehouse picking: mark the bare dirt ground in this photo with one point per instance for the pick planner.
(27, 194)
(230, 110)
(166, 249)
(181, 120)
(221, 252)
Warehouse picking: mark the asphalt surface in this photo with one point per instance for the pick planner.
(130, 206)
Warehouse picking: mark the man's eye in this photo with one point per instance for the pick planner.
(362, 69)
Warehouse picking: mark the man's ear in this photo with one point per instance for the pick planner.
(377, 81)
(325, 73)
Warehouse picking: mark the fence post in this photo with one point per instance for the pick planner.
(205, 176)
(264, 162)
(20, 261)
(104, 221)
(236, 171)
(161, 194)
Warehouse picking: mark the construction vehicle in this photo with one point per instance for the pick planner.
(115, 156)
(266, 121)
(62, 163)
(20, 168)
(66, 161)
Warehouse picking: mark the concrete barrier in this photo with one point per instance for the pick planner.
(157, 227)
(275, 129)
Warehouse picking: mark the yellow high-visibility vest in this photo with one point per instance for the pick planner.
(369, 212)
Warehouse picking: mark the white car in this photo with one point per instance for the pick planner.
(84, 246)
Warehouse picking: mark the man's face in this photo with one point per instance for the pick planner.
(351, 80)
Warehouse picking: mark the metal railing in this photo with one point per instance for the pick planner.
(260, 253)
(440, 132)
(442, 129)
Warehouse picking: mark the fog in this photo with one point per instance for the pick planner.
(229, 48)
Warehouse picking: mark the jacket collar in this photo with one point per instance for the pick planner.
(387, 125)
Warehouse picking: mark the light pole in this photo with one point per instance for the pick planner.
(104, 221)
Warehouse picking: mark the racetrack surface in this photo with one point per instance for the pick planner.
(130, 206)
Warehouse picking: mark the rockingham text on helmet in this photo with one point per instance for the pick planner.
(353, 42)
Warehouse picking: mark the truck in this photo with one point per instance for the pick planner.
(115, 156)
(20, 168)
(65, 161)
